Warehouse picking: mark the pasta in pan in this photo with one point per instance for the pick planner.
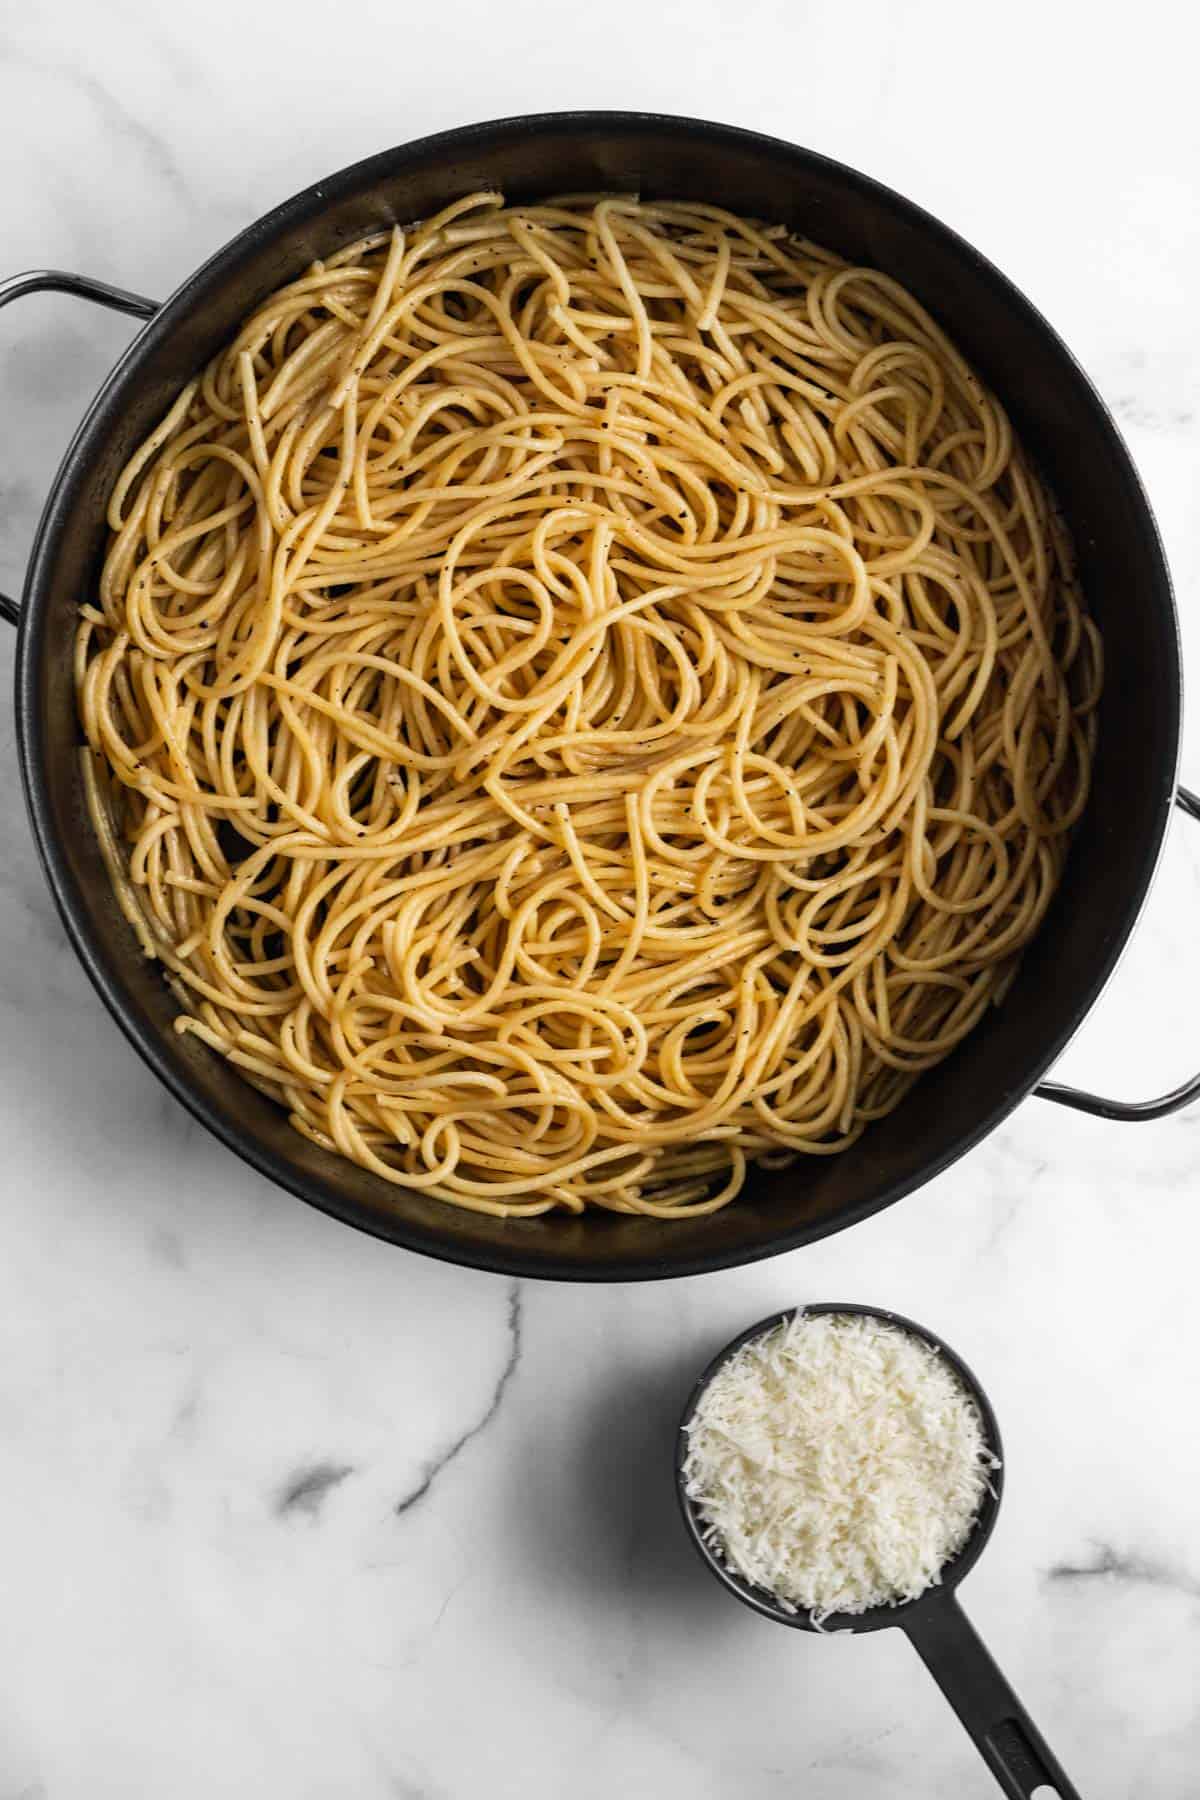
(581, 696)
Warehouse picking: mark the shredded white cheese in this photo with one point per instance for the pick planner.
(838, 1462)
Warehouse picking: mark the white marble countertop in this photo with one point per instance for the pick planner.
(285, 1513)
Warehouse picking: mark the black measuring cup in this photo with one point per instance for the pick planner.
(1007, 1738)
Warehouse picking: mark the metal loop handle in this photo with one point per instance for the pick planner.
(60, 281)
(1127, 1110)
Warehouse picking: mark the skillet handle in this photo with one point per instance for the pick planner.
(59, 281)
(1005, 1736)
(1131, 1109)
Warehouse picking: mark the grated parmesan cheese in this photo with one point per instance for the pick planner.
(838, 1462)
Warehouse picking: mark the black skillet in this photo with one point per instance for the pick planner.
(1059, 415)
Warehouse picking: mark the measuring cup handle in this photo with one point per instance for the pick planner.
(1005, 1735)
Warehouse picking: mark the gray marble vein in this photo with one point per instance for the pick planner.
(307, 1489)
(1154, 390)
(455, 1449)
(1109, 1563)
(114, 119)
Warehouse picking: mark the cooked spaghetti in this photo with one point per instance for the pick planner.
(582, 696)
